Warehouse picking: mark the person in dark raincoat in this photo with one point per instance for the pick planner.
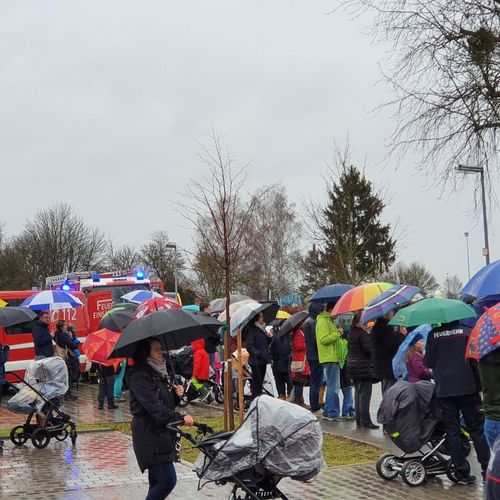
(152, 405)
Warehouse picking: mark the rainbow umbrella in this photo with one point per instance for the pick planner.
(357, 298)
(485, 336)
(2, 303)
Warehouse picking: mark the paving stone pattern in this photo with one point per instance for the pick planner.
(103, 466)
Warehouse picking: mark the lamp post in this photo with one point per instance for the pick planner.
(480, 170)
(174, 247)
(467, 246)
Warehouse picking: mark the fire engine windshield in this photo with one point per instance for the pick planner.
(118, 290)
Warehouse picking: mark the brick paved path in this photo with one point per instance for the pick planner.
(103, 466)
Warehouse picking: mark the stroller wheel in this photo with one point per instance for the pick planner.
(413, 472)
(73, 435)
(219, 395)
(451, 472)
(40, 438)
(385, 467)
(62, 435)
(18, 436)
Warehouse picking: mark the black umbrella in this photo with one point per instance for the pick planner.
(174, 327)
(292, 322)
(13, 315)
(218, 305)
(117, 319)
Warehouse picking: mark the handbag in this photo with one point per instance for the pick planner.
(298, 366)
(62, 352)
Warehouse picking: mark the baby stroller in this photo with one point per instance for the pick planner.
(182, 365)
(277, 440)
(40, 397)
(412, 418)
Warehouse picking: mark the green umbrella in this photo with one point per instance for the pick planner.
(432, 311)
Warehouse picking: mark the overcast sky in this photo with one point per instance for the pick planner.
(103, 104)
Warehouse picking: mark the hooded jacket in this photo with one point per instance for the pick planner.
(327, 335)
(4, 357)
(309, 329)
(359, 357)
(201, 360)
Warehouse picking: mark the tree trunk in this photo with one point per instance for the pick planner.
(241, 398)
(228, 389)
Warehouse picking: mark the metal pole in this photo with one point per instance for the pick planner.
(467, 246)
(485, 220)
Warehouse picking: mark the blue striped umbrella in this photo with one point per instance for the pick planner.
(191, 307)
(392, 298)
(51, 300)
(138, 296)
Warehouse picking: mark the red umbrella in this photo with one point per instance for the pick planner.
(155, 304)
(99, 345)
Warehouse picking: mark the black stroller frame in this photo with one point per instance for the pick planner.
(42, 426)
(415, 468)
(256, 484)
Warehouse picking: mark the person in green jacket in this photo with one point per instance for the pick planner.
(327, 336)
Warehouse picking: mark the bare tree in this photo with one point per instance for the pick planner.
(162, 258)
(273, 265)
(414, 273)
(445, 73)
(452, 287)
(223, 224)
(123, 257)
(58, 241)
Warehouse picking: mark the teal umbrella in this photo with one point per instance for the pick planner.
(432, 311)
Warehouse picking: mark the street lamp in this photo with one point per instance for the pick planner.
(480, 170)
(174, 246)
(467, 246)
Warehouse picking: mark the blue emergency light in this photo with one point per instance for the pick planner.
(96, 278)
(139, 275)
(66, 287)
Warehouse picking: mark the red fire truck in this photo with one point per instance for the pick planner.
(98, 292)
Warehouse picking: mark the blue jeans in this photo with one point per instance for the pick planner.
(347, 403)
(491, 431)
(119, 380)
(162, 480)
(332, 403)
(316, 381)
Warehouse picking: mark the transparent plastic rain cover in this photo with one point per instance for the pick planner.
(49, 377)
(283, 437)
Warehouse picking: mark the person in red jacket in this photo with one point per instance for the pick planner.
(300, 366)
(201, 368)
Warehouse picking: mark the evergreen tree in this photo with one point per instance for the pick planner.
(355, 246)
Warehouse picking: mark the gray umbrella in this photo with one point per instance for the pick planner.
(218, 305)
(14, 315)
(292, 322)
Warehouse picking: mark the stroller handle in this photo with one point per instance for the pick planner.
(202, 429)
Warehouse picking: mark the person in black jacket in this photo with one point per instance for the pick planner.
(457, 390)
(385, 341)
(65, 345)
(257, 341)
(152, 405)
(359, 364)
(281, 354)
(4, 356)
(42, 339)
(317, 374)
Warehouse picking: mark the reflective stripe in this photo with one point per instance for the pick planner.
(26, 345)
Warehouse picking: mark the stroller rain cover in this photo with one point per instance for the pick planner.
(49, 377)
(284, 438)
(409, 414)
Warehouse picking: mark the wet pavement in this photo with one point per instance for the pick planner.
(103, 466)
